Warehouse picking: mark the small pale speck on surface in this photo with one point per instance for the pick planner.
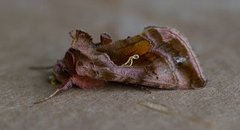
(158, 107)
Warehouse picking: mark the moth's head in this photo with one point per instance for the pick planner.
(60, 72)
(66, 68)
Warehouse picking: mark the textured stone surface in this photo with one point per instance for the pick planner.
(36, 33)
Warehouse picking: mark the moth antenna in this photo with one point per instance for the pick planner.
(49, 97)
(40, 67)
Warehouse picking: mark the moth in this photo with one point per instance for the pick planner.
(159, 57)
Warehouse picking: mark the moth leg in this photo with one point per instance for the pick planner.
(65, 87)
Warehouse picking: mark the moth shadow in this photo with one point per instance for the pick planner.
(134, 87)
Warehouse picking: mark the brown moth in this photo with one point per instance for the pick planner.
(159, 57)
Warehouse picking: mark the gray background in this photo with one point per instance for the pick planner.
(36, 33)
